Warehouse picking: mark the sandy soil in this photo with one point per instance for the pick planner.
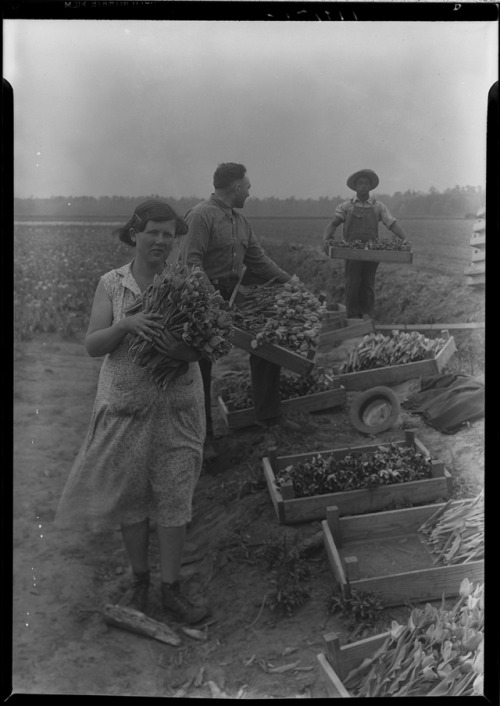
(61, 645)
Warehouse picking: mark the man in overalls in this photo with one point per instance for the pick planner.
(361, 215)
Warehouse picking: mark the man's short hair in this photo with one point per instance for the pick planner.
(227, 173)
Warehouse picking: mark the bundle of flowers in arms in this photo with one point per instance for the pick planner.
(191, 311)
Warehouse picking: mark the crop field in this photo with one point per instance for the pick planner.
(57, 267)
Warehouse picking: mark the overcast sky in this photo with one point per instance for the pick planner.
(133, 108)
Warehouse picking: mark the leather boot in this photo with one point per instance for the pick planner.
(178, 605)
(137, 598)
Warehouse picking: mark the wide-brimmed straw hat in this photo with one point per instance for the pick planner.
(369, 173)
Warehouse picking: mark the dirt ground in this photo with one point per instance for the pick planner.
(61, 644)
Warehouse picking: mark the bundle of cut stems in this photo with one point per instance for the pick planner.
(455, 534)
(191, 311)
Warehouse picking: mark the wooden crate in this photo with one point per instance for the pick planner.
(478, 239)
(290, 510)
(393, 374)
(402, 256)
(337, 661)
(477, 269)
(283, 357)
(391, 533)
(478, 279)
(310, 403)
(350, 328)
(478, 256)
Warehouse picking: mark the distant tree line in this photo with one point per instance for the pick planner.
(459, 202)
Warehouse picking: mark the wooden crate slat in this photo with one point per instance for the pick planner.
(367, 500)
(364, 379)
(478, 256)
(478, 240)
(476, 279)
(274, 354)
(354, 328)
(309, 403)
(334, 558)
(390, 523)
(479, 269)
(403, 256)
(421, 584)
(345, 658)
(284, 461)
(333, 684)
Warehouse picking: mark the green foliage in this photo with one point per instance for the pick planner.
(438, 652)
(361, 608)
(327, 474)
(288, 569)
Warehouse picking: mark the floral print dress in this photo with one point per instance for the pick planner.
(143, 452)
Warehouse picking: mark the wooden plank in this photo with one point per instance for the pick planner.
(475, 280)
(309, 403)
(390, 523)
(354, 328)
(421, 584)
(284, 461)
(478, 256)
(428, 327)
(365, 500)
(479, 269)
(333, 684)
(478, 239)
(351, 656)
(334, 559)
(134, 621)
(393, 374)
(288, 359)
(276, 498)
(402, 256)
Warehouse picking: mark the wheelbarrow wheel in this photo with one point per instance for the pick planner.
(375, 410)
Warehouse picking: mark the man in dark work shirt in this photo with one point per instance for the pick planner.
(221, 241)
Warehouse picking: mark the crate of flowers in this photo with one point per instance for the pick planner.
(358, 479)
(280, 323)
(402, 355)
(385, 250)
(437, 651)
(309, 393)
(413, 554)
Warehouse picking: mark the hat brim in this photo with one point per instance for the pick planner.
(369, 173)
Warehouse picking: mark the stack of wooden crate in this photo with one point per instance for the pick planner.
(476, 273)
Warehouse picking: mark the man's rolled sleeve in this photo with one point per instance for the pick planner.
(341, 211)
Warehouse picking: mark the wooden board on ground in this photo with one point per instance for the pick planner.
(365, 379)
(310, 403)
(283, 357)
(366, 255)
(290, 509)
(134, 621)
(385, 553)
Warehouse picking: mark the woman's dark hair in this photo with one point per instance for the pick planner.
(227, 173)
(151, 210)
